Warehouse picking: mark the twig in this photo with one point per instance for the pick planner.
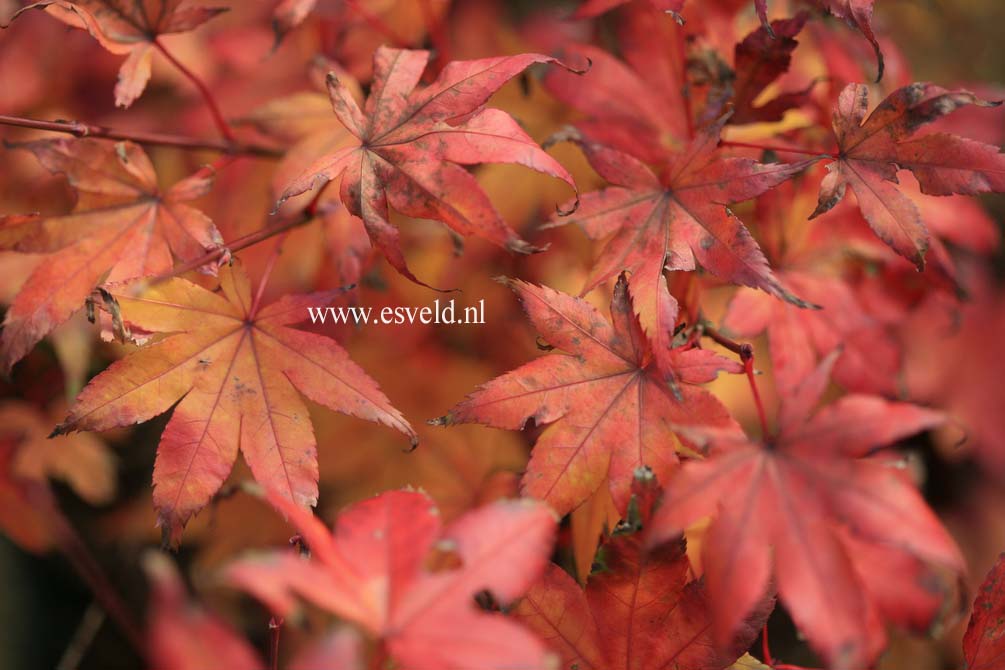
(81, 129)
(237, 245)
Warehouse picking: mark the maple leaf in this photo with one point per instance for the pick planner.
(22, 519)
(234, 369)
(984, 641)
(856, 13)
(304, 121)
(28, 460)
(762, 57)
(182, 635)
(122, 227)
(129, 27)
(640, 612)
(872, 149)
(289, 14)
(641, 106)
(952, 221)
(82, 461)
(869, 356)
(407, 146)
(952, 363)
(675, 221)
(609, 407)
(374, 571)
(792, 496)
(361, 26)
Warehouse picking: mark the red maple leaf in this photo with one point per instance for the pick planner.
(812, 260)
(759, 60)
(607, 406)
(871, 150)
(984, 641)
(640, 611)
(182, 635)
(857, 13)
(406, 146)
(676, 220)
(782, 506)
(380, 570)
(129, 27)
(641, 105)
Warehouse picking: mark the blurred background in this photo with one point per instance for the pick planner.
(50, 71)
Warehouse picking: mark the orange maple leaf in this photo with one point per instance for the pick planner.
(123, 227)
(234, 369)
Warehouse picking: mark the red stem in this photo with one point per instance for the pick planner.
(273, 257)
(380, 658)
(80, 129)
(766, 647)
(207, 95)
(769, 147)
(746, 354)
(275, 628)
(211, 169)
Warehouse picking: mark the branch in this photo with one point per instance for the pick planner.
(81, 129)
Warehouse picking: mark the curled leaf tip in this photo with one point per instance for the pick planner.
(566, 211)
(576, 70)
(880, 64)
